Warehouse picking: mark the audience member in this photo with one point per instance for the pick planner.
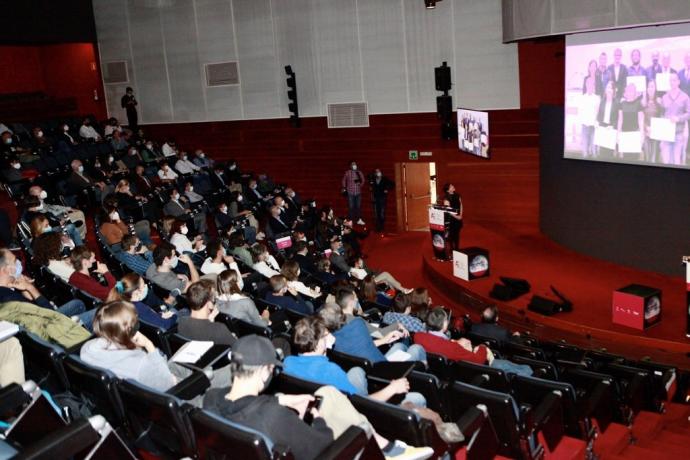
(201, 325)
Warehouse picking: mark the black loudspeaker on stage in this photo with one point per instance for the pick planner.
(442, 76)
(548, 307)
(511, 289)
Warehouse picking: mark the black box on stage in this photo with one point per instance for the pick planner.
(545, 306)
(471, 263)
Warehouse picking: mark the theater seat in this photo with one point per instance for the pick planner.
(156, 421)
(217, 437)
(516, 427)
(97, 386)
(43, 362)
(480, 375)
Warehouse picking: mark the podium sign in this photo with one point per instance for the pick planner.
(460, 268)
(439, 232)
(636, 306)
(471, 263)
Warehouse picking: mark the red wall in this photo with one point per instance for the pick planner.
(61, 71)
(503, 191)
(542, 71)
(21, 70)
(71, 70)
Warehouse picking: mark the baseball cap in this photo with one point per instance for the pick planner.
(253, 350)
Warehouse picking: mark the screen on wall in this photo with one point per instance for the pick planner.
(473, 132)
(627, 96)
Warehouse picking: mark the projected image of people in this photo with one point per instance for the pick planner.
(473, 132)
(628, 101)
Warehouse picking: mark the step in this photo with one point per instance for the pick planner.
(647, 424)
(666, 438)
(613, 441)
(661, 452)
(568, 449)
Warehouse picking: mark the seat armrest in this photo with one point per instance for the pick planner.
(191, 387)
(547, 417)
(348, 445)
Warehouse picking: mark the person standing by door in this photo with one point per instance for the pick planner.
(129, 103)
(380, 187)
(352, 182)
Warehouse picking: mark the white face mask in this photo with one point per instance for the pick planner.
(232, 167)
(224, 210)
(81, 169)
(184, 157)
(173, 262)
(65, 128)
(240, 198)
(115, 216)
(149, 146)
(176, 197)
(184, 230)
(16, 165)
(202, 155)
(354, 167)
(191, 189)
(378, 174)
(39, 134)
(43, 195)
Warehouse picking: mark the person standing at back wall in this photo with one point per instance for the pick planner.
(129, 103)
(352, 182)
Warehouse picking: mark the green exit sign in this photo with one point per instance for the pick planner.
(413, 155)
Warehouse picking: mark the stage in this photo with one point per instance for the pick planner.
(587, 282)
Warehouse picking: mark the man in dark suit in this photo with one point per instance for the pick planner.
(380, 187)
(618, 72)
(79, 181)
(178, 206)
(489, 327)
(306, 264)
(276, 222)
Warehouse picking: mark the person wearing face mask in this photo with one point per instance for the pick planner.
(143, 184)
(87, 131)
(182, 243)
(118, 142)
(202, 160)
(135, 206)
(40, 143)
(180, 208)
(40, 221)
(65, 136)
(113, 229)
(14, 286)
(135, 255)
(166, 174)
(83, 260)
(184, 166)
(199, 178)
(150, 154)
(13, 175)
(79, 181)
(218, 261)
(352, 183)
(73, 215)
(129, 103)
(380, 187)
(161, 272)
(132, 288)
(200, 324)
(191, 195)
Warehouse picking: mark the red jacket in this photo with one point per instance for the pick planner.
(91, 285)
(451, 350)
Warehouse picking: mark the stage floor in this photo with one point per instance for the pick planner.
(586, 281)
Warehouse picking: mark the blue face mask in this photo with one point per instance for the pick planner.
(18, 268)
